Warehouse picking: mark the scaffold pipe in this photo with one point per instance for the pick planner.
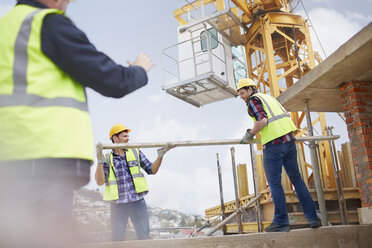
(208, 142)
(233, 215)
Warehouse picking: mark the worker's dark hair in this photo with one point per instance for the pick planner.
(117, 134)
(254, 89)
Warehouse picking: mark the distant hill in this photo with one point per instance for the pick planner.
(92, 215)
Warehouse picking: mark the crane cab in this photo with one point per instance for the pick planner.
(206, 63)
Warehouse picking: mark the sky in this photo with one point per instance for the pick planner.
(187, 180)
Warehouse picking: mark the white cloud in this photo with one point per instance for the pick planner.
(155, 98)
(4, 8)
(358, 17)
(184, 191)
(169, 130)
(333, 28)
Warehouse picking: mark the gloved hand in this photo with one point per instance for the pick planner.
(247, 136)
(100, 157)
(163, 150)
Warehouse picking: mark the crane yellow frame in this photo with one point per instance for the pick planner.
(278, 51)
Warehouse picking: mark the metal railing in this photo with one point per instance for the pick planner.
(174, 62)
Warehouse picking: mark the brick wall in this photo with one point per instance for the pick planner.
(357, 99)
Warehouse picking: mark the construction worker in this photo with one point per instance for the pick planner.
(46, 142)
(276, 129)
(126, 185)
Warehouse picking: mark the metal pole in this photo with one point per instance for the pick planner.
(235, 188)
(340, 193)
(205, 142)
(221, 193)
(255, 187)
(315, 165)
(233, 215)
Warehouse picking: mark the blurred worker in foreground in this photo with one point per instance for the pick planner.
(46, 141)
(126, 185)
(276, 129)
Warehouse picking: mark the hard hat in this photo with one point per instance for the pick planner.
(245, 82)
(118, 128)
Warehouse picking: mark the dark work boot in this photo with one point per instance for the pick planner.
(278, 228)
(315, 224)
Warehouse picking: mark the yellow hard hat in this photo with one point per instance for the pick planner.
(245, 82)
(118, 128)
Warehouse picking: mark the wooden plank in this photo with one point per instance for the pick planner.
(323, 163)
(243, 189)
(320, 169)
(350, 165)
(247, 227)
(342, 168)
(330, 194)
(261, 178)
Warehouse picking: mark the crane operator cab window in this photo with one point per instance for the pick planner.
(211, 37)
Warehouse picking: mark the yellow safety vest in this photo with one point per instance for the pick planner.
(279, 121)
(133, 161)
(43, 111)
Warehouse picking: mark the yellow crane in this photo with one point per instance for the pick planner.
(274, 48)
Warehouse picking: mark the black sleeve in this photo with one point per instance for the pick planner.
(69, 48)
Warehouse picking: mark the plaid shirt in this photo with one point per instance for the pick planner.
(256, 110)
(127, 192)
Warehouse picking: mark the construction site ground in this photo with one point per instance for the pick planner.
(347, 236)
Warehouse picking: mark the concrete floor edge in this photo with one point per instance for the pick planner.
(359, 236)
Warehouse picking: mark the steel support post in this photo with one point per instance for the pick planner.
(235, 188)
(340, 194)
(221, 193)
(255, 187)
(315, 165)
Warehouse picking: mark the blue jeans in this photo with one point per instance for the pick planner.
(274, 157)
(137, 211)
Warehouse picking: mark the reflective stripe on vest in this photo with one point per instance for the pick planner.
(273, 116)
(20, 96)
(279, 122)
(43, 111)
(134, 165)
(139, 179)
(111, 185)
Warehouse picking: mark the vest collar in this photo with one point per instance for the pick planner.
(115, 154)
(32, 3)
(252, 95)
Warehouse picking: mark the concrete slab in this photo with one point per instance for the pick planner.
(352, 61)
(365, 215)
(327, 237)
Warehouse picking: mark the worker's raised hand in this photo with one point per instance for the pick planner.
(163, 150)
(247, 136)
(100, 157)
(144, 61)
